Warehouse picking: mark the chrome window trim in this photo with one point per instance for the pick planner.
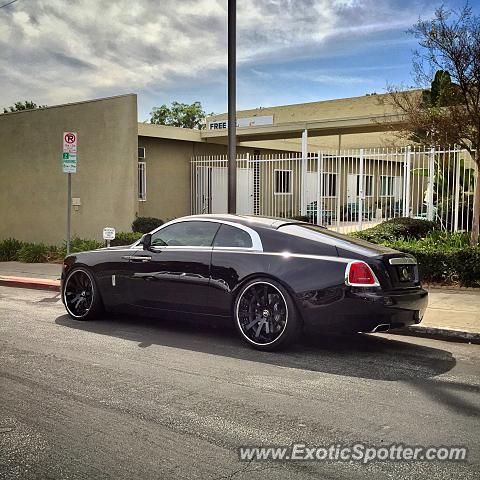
(257, 245)
(180, 248)
(234, 249)
(402, 261)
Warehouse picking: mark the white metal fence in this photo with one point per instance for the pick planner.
(347, 190)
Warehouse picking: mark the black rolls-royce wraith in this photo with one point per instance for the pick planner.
(271, 276)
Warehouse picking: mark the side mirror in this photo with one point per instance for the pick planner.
(146, 241)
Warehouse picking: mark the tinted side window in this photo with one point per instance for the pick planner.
(186, 234)
(229, 236)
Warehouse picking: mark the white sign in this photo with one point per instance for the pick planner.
(109, 233)
(69, 164)
(242, 122)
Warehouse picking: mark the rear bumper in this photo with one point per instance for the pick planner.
(361, 310)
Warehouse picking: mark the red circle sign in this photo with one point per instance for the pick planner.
(70, 138)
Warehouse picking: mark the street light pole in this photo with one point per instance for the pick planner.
(232, 107)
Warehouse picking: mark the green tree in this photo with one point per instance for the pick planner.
(449, 112)
(19, 106)
(443, 92)
(179, 115)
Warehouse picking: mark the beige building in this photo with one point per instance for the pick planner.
(357, 122)
(128, 169)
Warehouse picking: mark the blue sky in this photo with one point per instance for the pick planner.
(289, 51)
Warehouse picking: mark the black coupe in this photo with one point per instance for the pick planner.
(272, 276)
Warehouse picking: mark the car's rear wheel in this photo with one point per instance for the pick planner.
(81, 296)
(265, 315)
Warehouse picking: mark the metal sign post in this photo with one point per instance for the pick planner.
(232, 107)
(69, 209)
(69, 166)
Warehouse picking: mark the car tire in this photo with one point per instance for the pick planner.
(81, 295)
(265, 315)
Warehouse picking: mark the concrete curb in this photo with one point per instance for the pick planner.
(455, 288)
(26, 282)
(438, 333)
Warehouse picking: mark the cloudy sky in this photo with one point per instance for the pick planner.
(289, 51)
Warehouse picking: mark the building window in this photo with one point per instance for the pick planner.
(386, 186)
(283, 182)
(142, 181)
(367, 186)
(329, 185)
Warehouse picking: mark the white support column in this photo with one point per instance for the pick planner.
(303, 197)
(321, 188)
(338, 188)
(407, 180)
(250, 184)
(456, 154)
(361, 193)
(431, 173)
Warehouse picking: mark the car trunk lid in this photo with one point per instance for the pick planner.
(402, 270)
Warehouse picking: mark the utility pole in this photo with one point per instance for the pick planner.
(232, 107)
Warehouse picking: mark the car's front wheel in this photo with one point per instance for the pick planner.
(81, 296)
(265, 315)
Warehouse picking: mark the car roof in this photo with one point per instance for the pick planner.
(248, 220)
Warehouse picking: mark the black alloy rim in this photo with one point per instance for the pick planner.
(262, 313)
(78, 293)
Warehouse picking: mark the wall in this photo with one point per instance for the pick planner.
(327, 109)
(33, 189)
(169, 174)
(371, 105)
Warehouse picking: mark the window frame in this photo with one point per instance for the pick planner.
(392, 179)
(232, 247)
(326, 176)
(290, 176)
(182, 247)
(372, 184)
(142, 179)
(257, 245)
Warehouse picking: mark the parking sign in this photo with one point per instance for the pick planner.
(69, 159)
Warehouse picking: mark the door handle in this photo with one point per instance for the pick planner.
(137, 259)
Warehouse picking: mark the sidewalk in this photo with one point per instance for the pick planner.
(51, 271)
(451, 314)
(43, 276)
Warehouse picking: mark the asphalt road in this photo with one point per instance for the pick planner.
(128, 398)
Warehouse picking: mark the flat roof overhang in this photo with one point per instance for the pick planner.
(316, 128)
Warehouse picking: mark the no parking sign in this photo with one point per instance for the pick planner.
(69, 152)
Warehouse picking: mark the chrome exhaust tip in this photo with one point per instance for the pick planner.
(381, 327)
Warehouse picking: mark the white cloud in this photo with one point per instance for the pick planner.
(55, 51)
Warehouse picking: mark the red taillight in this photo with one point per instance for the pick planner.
(359, 274)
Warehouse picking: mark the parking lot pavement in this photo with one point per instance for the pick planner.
(136, 398)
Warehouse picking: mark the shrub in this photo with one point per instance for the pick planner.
(125, 238)
(79, 245)
(397, 228)
(435, 240)
(34, 253)
(443, 257)
(9, 249)
(146, 224)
